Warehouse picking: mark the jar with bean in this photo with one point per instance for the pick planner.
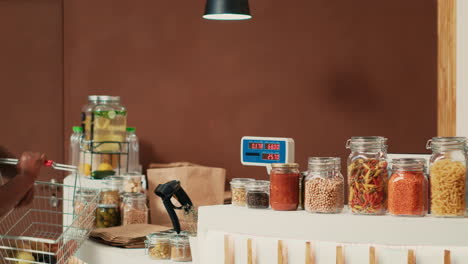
(180, 249)
(447, 174)
(238, 190)
(85, 205)
(367, 175)
(258, 194)
(284, 186)
(324, 186)
(107, 215)
(158, 246)
(408, 188)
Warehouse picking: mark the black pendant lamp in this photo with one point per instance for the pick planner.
(227, 10)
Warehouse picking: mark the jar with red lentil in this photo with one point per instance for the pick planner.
(324, 186)
(408, 188)
(367, 175)
(284, 186)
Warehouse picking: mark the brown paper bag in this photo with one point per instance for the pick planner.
(204, 186)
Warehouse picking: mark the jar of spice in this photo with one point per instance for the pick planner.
(367, 175)
(447, 173)
(158, 246)
(324, 186)
(238, 190)
(180, 249)
(107, 215)
(284, 186)
(408, 188)
(258, 194)
(135, 210)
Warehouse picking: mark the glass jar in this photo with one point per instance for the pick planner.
(158, 246)
(238, 190)
(111, 193)
(132, 183)
(324, 186)
(408, 188)
(447, 174)
(367, 175)
(135, 210)
(107, 215)
(284, 186)
(110, 123)
(180, 249)
(85, 205)
(87, 116)
(258, 194)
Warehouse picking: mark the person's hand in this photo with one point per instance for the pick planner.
(30, 163)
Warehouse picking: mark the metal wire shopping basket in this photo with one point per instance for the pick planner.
(51, 229)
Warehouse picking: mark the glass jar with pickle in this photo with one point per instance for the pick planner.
(107, 215)
(158, 246)
(367, 175)
(110, 123)
(135, 210)
(447, 174)
(284, 186)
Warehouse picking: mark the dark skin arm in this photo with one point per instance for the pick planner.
(19, 190)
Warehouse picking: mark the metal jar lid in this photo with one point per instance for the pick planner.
(285, 165)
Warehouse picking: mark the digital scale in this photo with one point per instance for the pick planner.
(263, 151)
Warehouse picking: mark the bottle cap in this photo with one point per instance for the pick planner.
(131, 129)
(77, 129)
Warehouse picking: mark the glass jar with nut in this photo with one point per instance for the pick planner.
(238, 190)
(132, 183)
(324, 186)
(158, 246)
(180, 249)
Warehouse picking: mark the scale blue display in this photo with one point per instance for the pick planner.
(261, 151)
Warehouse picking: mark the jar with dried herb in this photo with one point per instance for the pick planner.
(258, 194)
(158, 246)
(238, 190)
(180, 249)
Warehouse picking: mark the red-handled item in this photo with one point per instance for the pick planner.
(47, 163)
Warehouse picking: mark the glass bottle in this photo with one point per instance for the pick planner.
(87, 116)
(158, 246)
(258, 194)
(133, 151)
(447, 174)
(238, 190)
(284, 186)
(408, 188)
(324, 186)
(110, 123)
(180, 249)
(135, 210)
(75, 141)
(367, 175)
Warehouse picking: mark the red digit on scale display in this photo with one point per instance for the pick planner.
(271, 146)
(267, 156)
(256, 145)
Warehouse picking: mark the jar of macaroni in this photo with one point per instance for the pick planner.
(158, 246)
(284, 186)
(447, 174)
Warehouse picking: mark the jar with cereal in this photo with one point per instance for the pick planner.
(135, 210)
(324, 186)
(284, 186)
(367, 175)
(238, 190)
(408, 188)
(180, 249)
(158, 246)
(447, 174)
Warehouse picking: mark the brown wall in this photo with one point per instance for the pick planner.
(317, 71)
(31, 79)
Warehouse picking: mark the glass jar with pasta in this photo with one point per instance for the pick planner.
(367, 175)
(447, 174)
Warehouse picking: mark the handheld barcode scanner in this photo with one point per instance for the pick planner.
(173, 189)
